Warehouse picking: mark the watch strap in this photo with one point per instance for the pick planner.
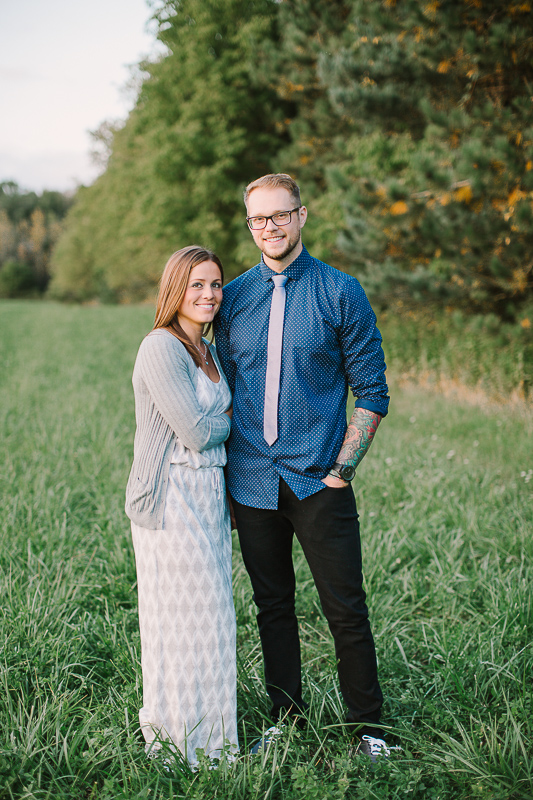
(338, 468)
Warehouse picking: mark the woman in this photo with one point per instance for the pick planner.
(180, 521)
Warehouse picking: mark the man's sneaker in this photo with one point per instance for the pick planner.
(374, 748)
(264, 743)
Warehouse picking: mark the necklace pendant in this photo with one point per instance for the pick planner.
(204, 354)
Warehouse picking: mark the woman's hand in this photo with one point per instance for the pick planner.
(229, 412)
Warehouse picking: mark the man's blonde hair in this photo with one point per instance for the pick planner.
(277, 180)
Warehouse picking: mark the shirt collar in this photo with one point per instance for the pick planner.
(295, 269)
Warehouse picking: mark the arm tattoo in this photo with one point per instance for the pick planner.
(363, 425)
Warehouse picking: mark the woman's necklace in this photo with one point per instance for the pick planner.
(204, 354)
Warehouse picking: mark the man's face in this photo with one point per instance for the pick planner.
(277, 242)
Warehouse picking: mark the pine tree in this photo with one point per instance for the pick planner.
(440, 96)
(317, 134)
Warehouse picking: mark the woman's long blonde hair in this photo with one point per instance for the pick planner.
(172, 288)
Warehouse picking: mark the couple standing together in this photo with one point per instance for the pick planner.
(292, 334)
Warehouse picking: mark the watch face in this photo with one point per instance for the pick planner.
(347, 472)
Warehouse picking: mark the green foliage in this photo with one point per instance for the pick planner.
(16, 279)
(20, 205)
(454, 222)
(409, 127)
(30, 224)
(201, 126)
(445, 502)
(461, 352)
(317, 136)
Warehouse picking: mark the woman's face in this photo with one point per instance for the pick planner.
(203, 295)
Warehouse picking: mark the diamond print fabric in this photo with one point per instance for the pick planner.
(186, 612)
(187, 617)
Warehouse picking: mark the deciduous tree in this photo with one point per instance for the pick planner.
(202, 125)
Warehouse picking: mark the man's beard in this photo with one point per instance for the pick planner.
(284, 253)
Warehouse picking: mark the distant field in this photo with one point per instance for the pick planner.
(445, 497)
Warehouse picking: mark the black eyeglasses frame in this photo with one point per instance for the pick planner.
(281, 224)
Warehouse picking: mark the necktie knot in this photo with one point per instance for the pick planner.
(280, 281)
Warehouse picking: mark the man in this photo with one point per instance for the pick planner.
(292, 334)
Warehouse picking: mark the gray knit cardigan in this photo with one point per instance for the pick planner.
(164, 383)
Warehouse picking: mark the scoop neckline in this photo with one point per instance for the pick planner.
(215, 383)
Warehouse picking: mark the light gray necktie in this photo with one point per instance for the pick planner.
(275, 340)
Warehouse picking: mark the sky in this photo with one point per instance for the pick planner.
(64, 66)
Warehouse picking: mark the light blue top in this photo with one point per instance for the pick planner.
(172, 423)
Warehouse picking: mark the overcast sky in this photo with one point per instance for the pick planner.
(63, 64)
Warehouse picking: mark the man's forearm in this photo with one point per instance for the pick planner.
(361, 431)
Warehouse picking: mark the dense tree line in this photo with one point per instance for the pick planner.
(408, 124)
(202, 125)
(30, 224)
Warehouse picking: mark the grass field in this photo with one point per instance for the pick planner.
(445, 497)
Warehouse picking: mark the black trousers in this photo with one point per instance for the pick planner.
(326, 525)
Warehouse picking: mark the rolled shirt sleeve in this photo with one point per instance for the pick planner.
(330, 345)
(361, 344)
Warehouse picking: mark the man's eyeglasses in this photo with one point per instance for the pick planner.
(281, 218)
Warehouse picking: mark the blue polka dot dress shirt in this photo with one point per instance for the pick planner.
(330, 343)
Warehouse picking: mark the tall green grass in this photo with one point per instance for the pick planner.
(446, 507)
(453, 351)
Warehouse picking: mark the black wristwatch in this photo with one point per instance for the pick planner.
(343, 471)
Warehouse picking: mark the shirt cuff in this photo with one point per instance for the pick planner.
(368, 405)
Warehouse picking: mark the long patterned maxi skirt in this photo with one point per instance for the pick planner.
(187, 618)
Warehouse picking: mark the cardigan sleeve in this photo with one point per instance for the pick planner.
(165, 368)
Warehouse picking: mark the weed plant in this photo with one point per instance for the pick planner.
(479, 352)
(445, 503)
